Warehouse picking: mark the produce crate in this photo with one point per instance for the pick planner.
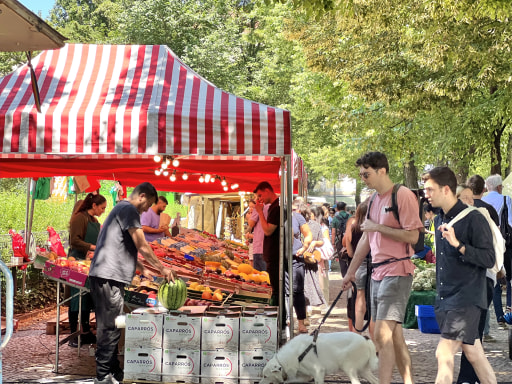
(427, 322)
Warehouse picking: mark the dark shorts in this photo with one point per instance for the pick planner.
(459, 324)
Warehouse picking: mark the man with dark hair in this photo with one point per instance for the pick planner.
(464, 252)
(390, 244)
(270, 225)
(466, 373)
(113, 266)
(338, 227)
(150, 221)
(477, 185)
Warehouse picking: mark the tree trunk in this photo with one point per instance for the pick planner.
(411, 173)
(496, 150)
(509, 156)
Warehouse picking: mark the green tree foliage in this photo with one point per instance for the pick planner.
(433, 77)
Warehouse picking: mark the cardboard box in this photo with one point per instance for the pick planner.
(258, 331)
(55, 271)
(77, 278)
(181, 365)
(251, 365)
(140, 299)
(144, 329)
(219, 366)
(220, 331)
(143, 364)
(182, 331)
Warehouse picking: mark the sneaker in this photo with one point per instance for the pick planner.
(73, 343)
(501, 322)
(106, 380)
(489, 339)
(508, 310)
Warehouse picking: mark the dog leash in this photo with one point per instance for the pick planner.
(317, 330)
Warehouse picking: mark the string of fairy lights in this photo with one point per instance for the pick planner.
(169, 165)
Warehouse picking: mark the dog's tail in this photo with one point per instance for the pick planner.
(373, 362)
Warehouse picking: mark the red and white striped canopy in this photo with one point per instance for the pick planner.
(106, 110)
(131, 99)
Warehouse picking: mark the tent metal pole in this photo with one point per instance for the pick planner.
(281, 253)
(289, 239)
(27, 207)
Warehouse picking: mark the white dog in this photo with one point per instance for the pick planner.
(340, 351)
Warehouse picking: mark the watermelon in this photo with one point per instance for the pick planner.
(172, 295)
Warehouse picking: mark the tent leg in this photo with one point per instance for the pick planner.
(27, 207)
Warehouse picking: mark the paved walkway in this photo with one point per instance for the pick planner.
(30, 355)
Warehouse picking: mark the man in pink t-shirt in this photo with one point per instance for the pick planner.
(257, 239)
(390, 246)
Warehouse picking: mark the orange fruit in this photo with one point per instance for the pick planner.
(245, 268)
(217, 296)
(207, 295)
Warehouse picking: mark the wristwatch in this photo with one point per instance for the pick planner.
(461, 244)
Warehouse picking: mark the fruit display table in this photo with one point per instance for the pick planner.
(417, 298)
(82, 290)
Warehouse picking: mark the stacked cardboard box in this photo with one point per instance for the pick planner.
(223, 344)
(219, 345)
(143, 345)
(181, 347)
(258, 342)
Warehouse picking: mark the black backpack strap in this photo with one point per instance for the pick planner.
(394, 204)
(370, 205)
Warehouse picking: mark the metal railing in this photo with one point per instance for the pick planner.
(9, 311)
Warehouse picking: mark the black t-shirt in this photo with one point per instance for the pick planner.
(271, 243)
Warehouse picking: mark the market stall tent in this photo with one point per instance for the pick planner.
(106, 110)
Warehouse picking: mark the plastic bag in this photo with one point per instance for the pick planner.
(55, 243)
(18, 245)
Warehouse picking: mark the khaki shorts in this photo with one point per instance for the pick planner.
(389, 298)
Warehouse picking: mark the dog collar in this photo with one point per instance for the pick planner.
(285, 376)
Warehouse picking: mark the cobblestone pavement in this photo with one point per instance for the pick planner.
(30, 355)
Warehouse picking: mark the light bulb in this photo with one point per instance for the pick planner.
(224, 182)
(226, 189)
(207, 178)
(212, 180)
(201, 179)
(164, 165)
(173, 177)
(158, 172)
(166, 173)
(175, 163)
(157, 158)
(184, 176)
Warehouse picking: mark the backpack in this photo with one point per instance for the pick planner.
(340, 231)
(498, 241)
(420, 245)
(505, 228)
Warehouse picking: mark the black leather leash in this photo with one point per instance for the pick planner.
(317, 330)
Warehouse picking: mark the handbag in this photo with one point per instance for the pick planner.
(327, 250)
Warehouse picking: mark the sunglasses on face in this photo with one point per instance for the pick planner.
(364, 175)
